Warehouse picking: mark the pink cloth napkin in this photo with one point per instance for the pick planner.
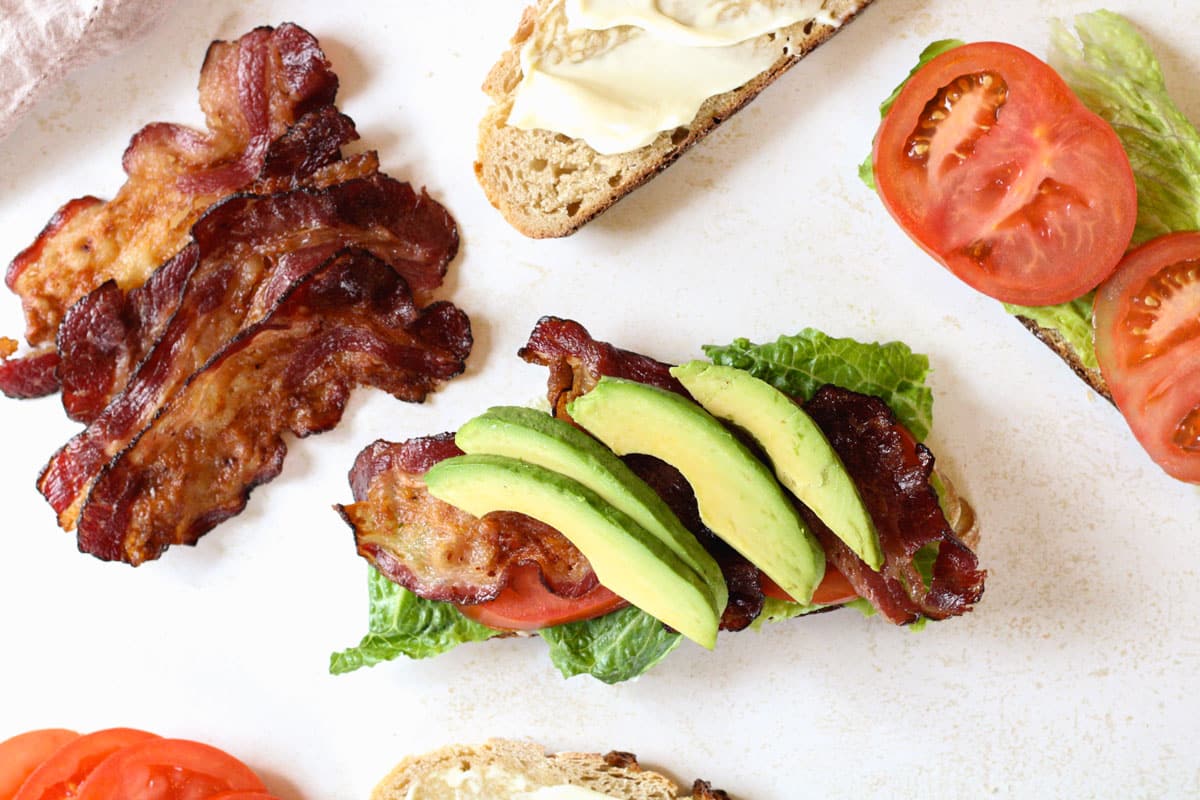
(42, 40)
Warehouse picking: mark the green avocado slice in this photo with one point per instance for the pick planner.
(539, 438)
(804, 461)
(626, 558)
(738, 497)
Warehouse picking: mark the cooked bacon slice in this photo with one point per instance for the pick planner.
(892, 472)
(437, 551)
(577, 362)
(351, 322)
(244, 250)
(252, 92)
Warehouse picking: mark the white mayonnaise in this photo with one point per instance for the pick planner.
(617, 72)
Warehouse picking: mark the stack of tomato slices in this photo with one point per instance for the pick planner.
(121, 764)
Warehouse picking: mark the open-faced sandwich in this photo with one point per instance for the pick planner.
(654, 502)
(595, 97)
(1071, 192)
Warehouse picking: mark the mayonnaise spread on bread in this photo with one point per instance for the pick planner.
(491, 782)
(616, 73)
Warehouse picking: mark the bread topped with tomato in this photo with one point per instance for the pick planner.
(548, 182)
(502, 769)
(1068, 190)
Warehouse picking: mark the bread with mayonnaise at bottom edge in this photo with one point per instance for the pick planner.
(573, 183)
(433, 776)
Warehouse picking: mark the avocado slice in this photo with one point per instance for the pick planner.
(738, 497)
(803, 459)
(539, 438)
(626, 558)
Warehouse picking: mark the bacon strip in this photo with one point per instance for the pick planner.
(444, 553)
(353, 321)
(245, 250)
(892, 472)
(252, 92)
(246, 253)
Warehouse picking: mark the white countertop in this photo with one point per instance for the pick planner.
(1076, 676)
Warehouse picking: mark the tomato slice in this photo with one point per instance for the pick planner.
(526, 604)
(243, 796)
(1147, 319)
(60, 775)
(168, 769)
(993, 166)
(833, 589)
(24, 753)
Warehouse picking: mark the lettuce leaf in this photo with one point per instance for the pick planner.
(626, 643)
(1072, 320)
(402, 624)
(1111, 68)
(612, 648)
(800, 364)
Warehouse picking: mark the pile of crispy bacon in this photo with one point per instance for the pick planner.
(441, 553)
(239, 285)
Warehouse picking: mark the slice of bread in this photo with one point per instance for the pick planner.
(501, 769)
(547, 184)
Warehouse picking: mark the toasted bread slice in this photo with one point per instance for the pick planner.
(500, 769)
(547, 184)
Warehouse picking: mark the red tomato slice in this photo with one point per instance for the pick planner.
(526, 604)
(1147, 319)
(24, 753)
(243, 796)
(992, 165)
(832, 590)
(60, 775)
(168, 769)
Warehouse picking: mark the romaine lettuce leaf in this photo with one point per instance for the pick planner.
(1111, 68)
(799, 365)
(1072, 320)
(402, 624)
(612, 648)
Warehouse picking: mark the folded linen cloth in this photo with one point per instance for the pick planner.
(42, 40)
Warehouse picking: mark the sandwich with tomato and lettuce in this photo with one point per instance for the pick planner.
(1070, 191)
(652, 503)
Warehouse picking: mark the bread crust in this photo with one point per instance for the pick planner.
(616, 773)
(574, 183)
(1063, 349)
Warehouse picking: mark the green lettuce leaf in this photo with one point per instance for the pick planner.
(1072, 320)
(1111, 68)
(402, 624)
(801, 364)
(866, 170)
(612, 648)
